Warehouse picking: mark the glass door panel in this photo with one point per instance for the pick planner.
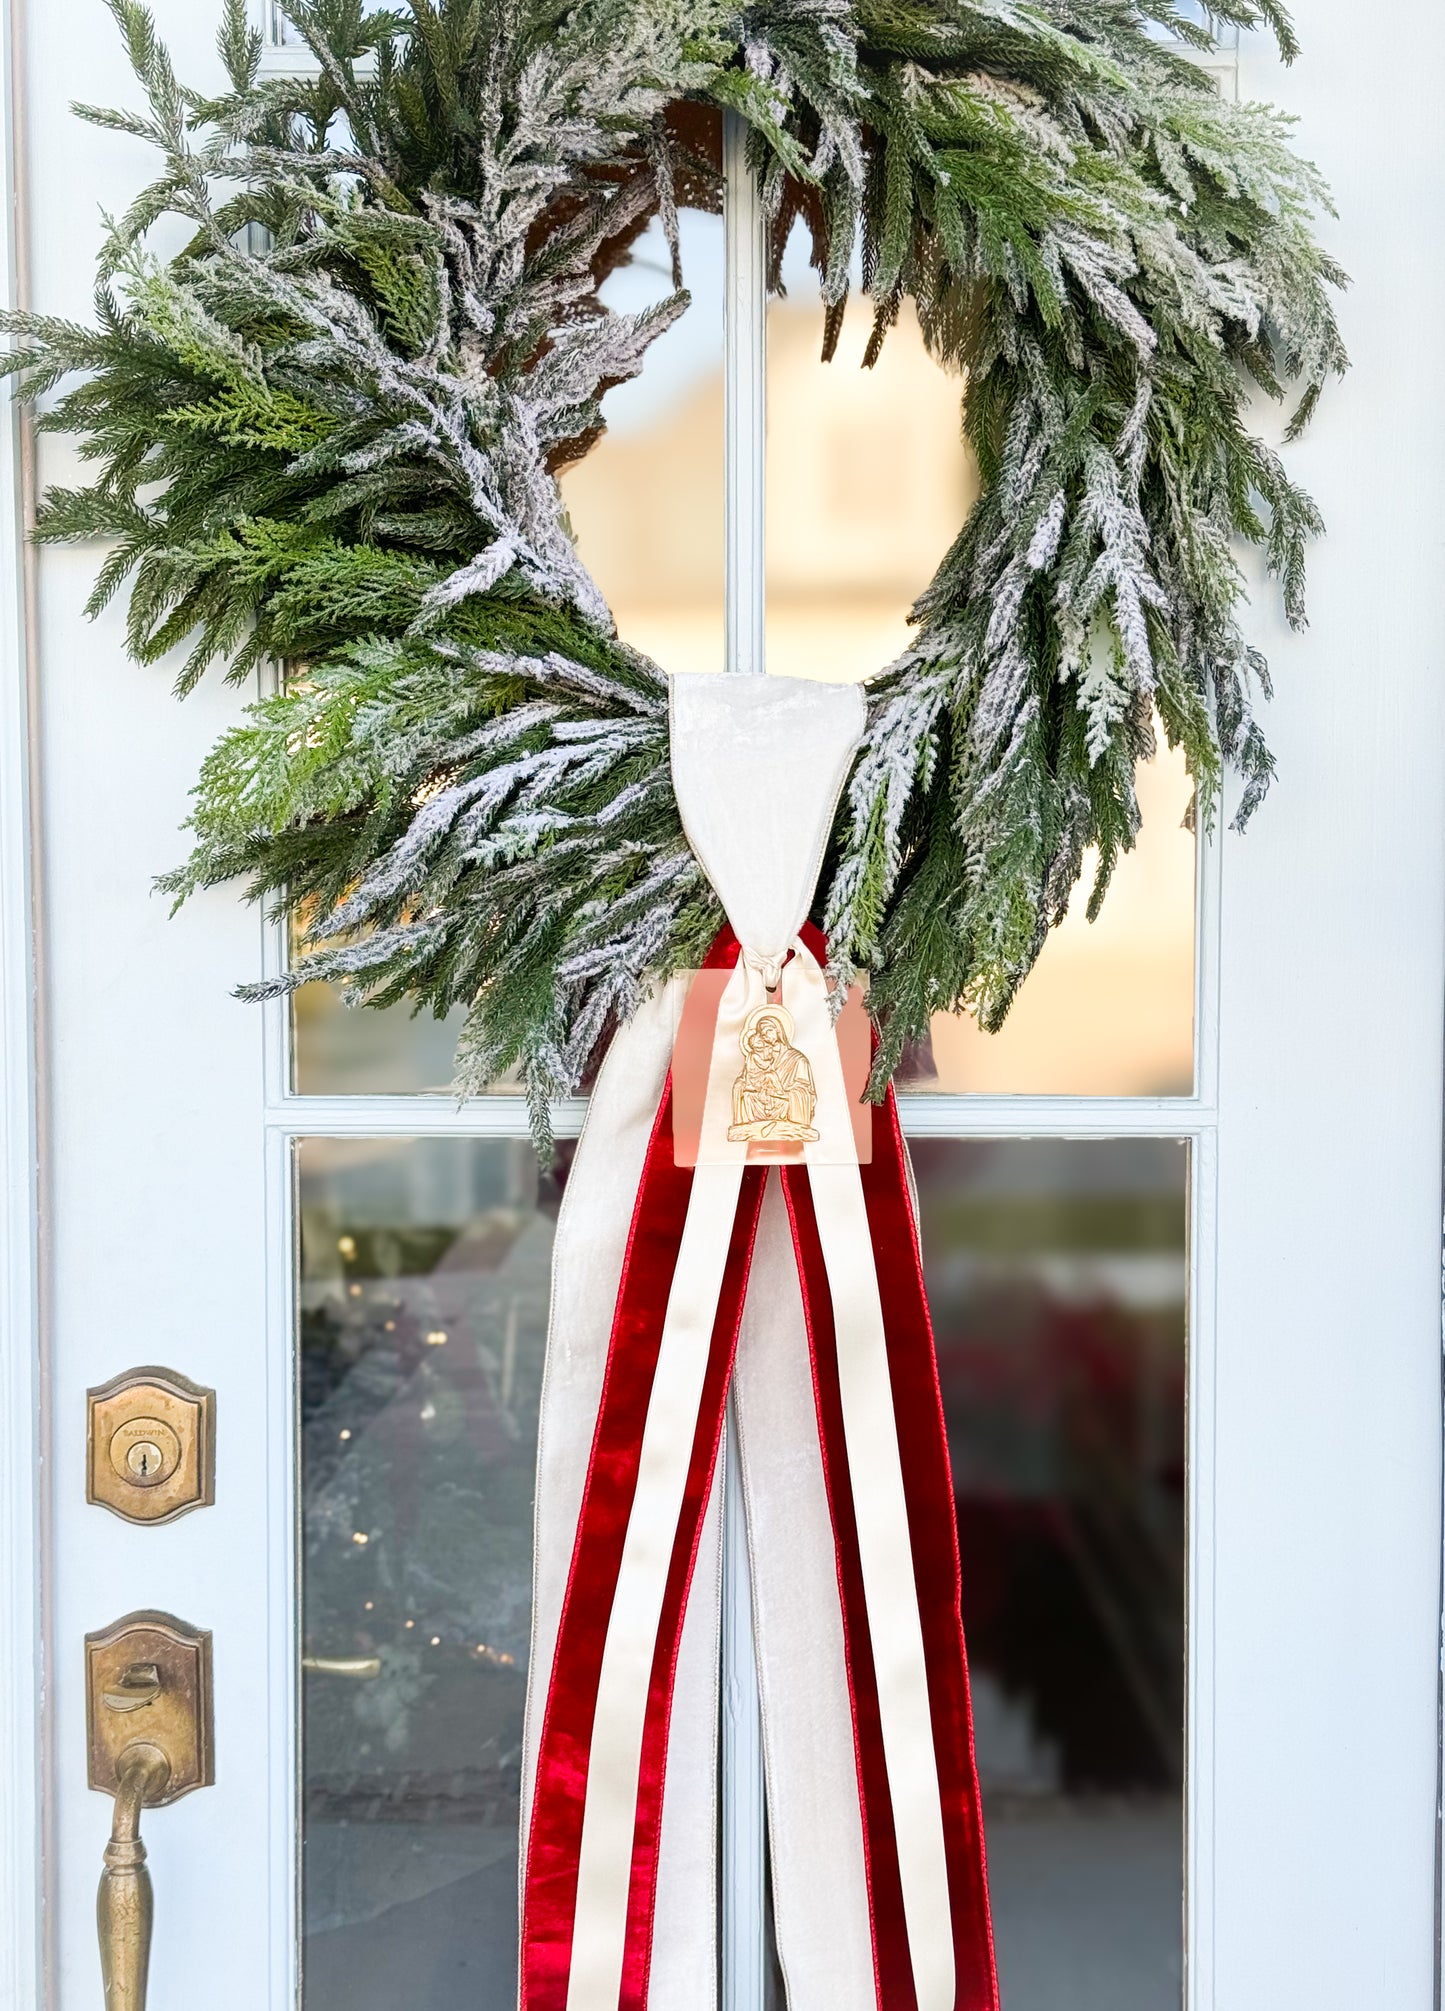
(337, 1050)
(1058, 1278)
(647, 508)
(422, 1320)
(1056, 1269)
(1057, 1275)
(868, 482)
(647, 503)
(1108, 1010)
(869, 479)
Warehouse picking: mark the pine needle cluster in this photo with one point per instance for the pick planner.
(328, 435)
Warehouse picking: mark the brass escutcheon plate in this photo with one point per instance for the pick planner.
(150, 1445)
(148, 1678)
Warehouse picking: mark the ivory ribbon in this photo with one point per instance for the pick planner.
(885, 1548)
(610, 1808)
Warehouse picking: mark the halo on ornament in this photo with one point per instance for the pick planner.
(755, 1019)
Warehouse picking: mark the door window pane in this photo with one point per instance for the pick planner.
(1057, 1276)
(1108, 1010)
(647, 508)
(868, 482)
(869, 479)
(342, 1050)
(423, 1315)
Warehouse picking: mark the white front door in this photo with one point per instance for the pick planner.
(1181, 1224)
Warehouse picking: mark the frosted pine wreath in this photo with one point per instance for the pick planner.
(329, 432)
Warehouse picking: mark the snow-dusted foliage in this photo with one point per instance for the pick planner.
(329, 434)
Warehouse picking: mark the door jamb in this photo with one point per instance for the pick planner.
(24, 1964)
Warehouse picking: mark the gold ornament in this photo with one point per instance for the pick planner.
(773, 1096)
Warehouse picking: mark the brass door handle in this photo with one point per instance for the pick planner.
(124, 1905)
(148, 1711)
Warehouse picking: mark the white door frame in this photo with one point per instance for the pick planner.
(1288, 1700)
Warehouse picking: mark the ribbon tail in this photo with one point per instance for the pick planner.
(816, 1861)
(913, 1966)
(928, 1480)
(597, 1807)
(880, 1887)
(683, 1968)
(594, 1232)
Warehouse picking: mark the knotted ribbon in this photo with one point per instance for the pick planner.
(879, 1885)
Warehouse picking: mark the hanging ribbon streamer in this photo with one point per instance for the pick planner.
(878, 1869)
(596, 1806)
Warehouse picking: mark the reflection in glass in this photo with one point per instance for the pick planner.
(423, 1312)
(1057, 1276)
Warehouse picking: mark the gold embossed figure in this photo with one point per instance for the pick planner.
(773, 1097)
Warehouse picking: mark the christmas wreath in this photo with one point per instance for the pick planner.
(329, 431)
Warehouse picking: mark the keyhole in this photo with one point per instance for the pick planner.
(145, 1452)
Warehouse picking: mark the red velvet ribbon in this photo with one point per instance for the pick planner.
(561, 1776)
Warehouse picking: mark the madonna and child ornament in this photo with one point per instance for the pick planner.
(773, 1096)
(769, 1256)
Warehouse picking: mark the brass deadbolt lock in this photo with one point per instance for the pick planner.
(151, 1445)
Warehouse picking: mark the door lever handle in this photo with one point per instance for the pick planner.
(156, 1666)
(124, 1905)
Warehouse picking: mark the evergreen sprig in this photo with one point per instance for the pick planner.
(329, 431)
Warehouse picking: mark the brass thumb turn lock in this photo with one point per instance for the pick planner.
(148, 1712)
